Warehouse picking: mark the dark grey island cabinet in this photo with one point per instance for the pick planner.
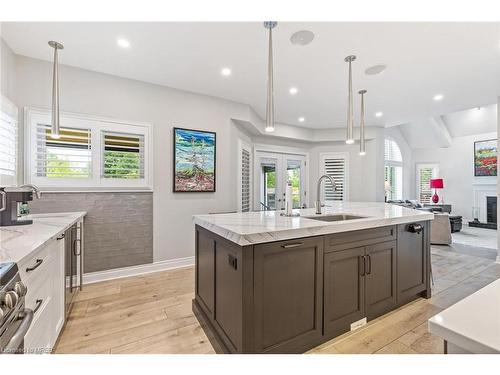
(290, 296)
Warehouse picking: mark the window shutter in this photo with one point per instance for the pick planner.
(394, 175)
(66, 157)
(425, 175)
(245, 180)
(122, 155)
(392, 151)
(8, 145)
(393, 162)
(335, 167)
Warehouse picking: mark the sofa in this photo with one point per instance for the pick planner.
(440, 226)
(441, 229)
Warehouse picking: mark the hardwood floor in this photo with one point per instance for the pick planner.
(152, 313)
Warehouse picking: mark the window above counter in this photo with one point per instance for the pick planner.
(91, 153)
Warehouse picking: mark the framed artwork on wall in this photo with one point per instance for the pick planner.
(194, 160)
(485, 158)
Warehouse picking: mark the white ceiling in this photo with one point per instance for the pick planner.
(459, 60)
(472, 121)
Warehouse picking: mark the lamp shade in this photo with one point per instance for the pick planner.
(437, 183)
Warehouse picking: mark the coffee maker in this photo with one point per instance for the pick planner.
(13, 204)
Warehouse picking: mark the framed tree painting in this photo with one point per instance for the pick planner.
(194, 160)
(485, 158)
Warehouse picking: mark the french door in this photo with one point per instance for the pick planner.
(272, 172)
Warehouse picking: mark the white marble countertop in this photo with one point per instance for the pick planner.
(473, 323)
(18, 241)
(246, 228)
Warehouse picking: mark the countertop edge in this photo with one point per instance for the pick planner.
(286, 234)
(459, 339)
(80, 215)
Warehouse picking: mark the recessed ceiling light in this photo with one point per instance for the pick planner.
(124, 43)
(226, 72)
(438, 97)
(302, 119)
(293, 90)
(375, 69)
(379, 114)
(302, 37)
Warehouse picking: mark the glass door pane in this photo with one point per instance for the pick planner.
(295, 173)
(269, 187)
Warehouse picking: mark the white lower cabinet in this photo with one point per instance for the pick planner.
(44, 276)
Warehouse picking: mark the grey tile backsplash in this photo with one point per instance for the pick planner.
(118, 226)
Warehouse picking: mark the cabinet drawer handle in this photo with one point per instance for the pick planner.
(37, 264)
(62, 236)
(362, 267)
(415, 228)
(38, 303)
(292, 245)
(76, 252)
(369, 268)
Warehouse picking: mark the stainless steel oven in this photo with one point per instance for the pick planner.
(15, 318)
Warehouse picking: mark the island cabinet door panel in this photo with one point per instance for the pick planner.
(288, 294)
(412, 262)
(228, 294)
(380, 278)
(205, 265)
(344, 290)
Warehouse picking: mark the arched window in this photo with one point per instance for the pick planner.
(393, 170)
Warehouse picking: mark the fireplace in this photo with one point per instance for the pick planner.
(491, 210)
(490, 214)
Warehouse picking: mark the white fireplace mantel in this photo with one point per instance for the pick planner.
(481, 192)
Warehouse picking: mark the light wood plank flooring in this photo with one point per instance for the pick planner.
(152, 313)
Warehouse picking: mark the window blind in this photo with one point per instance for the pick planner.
(245, 180)
(8, 145)
(424, 182)
(394, 175)
(122, 155)
(66, 157)
(392, 151)
(335, 167)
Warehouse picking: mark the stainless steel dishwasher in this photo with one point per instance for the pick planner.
(73, 263)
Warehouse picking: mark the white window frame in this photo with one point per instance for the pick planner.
(418, 167)
(335, 155)
(97, 124)
(9, 109)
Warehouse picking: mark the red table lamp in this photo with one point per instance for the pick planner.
(436, 183)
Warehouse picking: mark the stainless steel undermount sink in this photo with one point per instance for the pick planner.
(335, 217)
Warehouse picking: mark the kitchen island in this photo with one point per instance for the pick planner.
(267, 283)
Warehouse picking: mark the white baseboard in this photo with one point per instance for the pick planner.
(118, 273)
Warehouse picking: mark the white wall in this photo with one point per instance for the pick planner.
(498, 184)
(100, 94)
(7, 68)
(456, 167)
(8, 86)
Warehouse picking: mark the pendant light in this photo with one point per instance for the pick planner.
(362, 148)
(55, 91)
(350, 111)
(270, 25)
